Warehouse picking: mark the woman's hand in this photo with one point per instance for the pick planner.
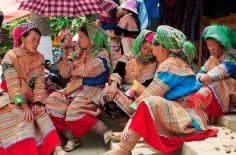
(93, 113)
(28, 113)
(204, 78)
(37, 109)
(110, 91)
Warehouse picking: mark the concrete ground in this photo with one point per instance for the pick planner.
(91, 144)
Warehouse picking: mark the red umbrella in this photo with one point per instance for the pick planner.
(67, 8)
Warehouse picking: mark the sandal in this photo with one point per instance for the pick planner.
(112, 136)
(59, 151)
(71, 145)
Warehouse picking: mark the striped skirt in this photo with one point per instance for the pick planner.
(223, 90)
(157, 119)
(72, 107)
(72, 112)
(14, 130)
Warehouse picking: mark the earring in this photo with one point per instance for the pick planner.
(22, 45)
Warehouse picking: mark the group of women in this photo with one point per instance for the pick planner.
(169, 103)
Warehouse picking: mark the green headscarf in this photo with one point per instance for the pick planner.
(223, 35)
(99, 39)
(139, 41)
(137, 45)
(175, 41)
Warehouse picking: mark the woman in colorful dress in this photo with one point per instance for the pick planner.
(217, 73)
(25, 127)
(75, 112)
(128, 27)
(171, 110)
(108, 22)
(131, 73)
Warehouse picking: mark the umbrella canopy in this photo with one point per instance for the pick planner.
(67, 8)
(9, 8)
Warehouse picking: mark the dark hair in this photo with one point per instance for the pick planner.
(47, 63)
(83, 29)
(1, 20)
(117, 2)
(112, 14)
(26, 34)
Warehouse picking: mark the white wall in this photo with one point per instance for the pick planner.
(45, 47)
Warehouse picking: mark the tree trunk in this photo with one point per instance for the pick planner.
(43, 23)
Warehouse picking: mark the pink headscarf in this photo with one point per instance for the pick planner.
(19, 30)
(149, 37)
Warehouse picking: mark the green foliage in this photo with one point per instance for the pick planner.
(8, 43)
(58, 23)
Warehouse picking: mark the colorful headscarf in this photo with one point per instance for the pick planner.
(175, 41)
(19, 30)
(99, 39)
(223, 35)
(144, 35)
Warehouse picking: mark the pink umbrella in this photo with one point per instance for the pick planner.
(67, 8)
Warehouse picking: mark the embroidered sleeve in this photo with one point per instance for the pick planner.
(206, 67)
(116, 77)
(94, 67)
(222, 71)
(39, 91)
(13, 81)
(156, 88)
(65, 68)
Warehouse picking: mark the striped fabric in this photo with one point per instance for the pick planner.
(32, 69)
(73, 107)
(68, 8)
(86, 66)
(156, 88)
(177, 66)
(94, 67)
(176, 116)
(180, 117)
(139, 72)
(222, 89)
(127, 22)
(219, 72)
(173, 65)
(14, 128)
